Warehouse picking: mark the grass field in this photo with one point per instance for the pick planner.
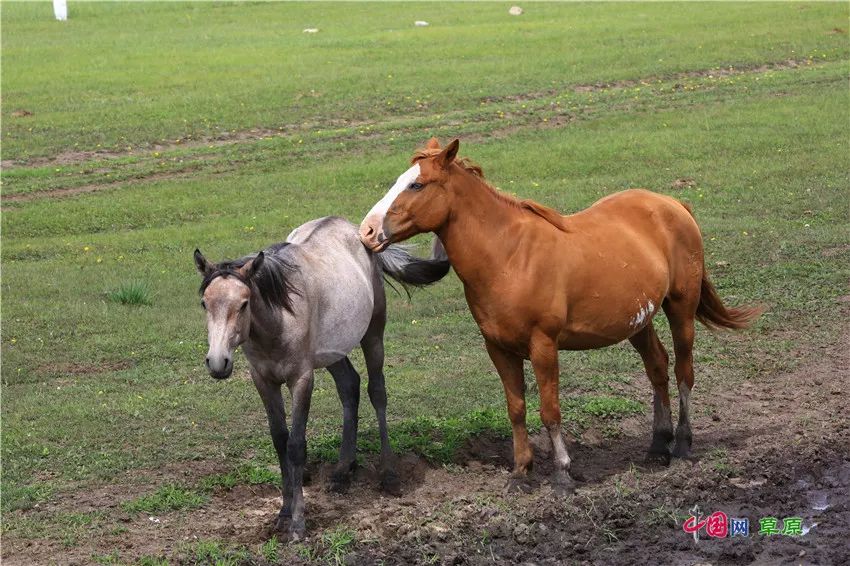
(151, 129)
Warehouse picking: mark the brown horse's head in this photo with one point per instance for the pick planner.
(226, 297)
(419, 201)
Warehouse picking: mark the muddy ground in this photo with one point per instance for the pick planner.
(777, 447)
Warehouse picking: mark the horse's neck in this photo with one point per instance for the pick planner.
(266, 326)
(480, 233)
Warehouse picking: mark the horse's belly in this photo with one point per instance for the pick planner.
(600, 322)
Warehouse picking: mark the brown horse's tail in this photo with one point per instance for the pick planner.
(715, 315)
(712, 312)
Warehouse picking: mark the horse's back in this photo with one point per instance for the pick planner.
(338, 275)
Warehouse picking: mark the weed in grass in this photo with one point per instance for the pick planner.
(305, 552)
(661, 515)
(107, 559)
(719, 459)
(152, 561)
(336, 544)
(249, 474)
(612, 407)
(24, 497)
(167, 498)
(269, 549)
(214, 553)
(132, 293)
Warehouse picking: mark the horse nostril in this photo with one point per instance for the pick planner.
(226, 362)
(207, 361)
(370, 232)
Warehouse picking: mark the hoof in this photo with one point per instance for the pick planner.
(682, 444)
(518, 484)
(297, 531)
(657, 458)
(283, 520)
(682, 450)
(562, 484)
(390, 483)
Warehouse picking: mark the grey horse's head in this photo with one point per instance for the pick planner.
(233, 292)
(226, 298)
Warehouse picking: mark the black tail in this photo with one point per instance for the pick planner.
(396, 262)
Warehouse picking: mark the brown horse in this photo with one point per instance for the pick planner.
(538, 282)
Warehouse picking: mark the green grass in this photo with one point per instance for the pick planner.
(204, 71)
(269, 549)
(246, 474)
(612, 407)
(167, 498)
(96, 392)
(131, 293)
(215, 553)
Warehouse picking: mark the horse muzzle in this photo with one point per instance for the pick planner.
(219, 368)
(373, 235)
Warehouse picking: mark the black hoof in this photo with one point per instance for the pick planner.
(519, 484)
(562, 484)
(682, 450)
(283, 520)
(390, 483)
(657, 458)
(682, 444)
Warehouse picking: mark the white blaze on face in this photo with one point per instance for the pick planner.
(382, 206)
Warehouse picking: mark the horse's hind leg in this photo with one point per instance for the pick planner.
(655, 362)
(373, 352)
(348, 387)
(681, 317)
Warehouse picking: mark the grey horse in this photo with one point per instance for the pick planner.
(301, 305)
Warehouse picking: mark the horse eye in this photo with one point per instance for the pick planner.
(415, 186)
(243, 307)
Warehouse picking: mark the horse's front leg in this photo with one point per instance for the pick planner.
(348, 387)
(276, 412)
(296, 449)
(509, 366)
(544, 360)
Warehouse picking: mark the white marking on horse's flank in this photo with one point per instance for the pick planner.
(381, 207)
(642, 315)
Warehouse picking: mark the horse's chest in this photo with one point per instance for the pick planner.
(504, 323)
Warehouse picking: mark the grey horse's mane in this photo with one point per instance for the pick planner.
(272, 281)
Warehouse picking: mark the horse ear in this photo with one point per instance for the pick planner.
(432, 144)
(201, 263)
(251, 267)
(448, 155)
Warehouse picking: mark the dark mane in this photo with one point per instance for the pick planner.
(550, 215)
(271, 282)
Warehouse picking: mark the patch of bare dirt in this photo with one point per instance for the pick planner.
(683, 183)
(91, 187)
(778, 446)
(724, 71)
